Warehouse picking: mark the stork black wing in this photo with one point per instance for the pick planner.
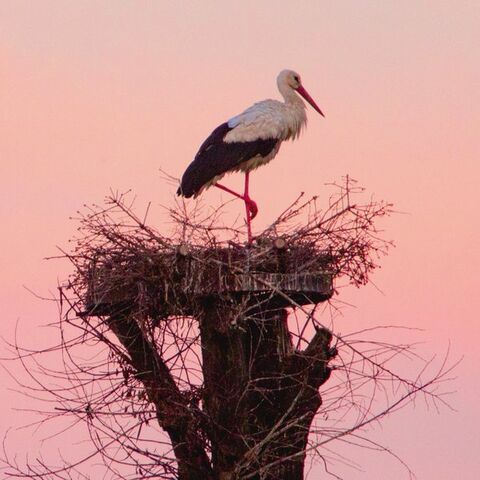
(216, 157)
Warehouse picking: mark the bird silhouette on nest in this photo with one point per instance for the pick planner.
(248, 141)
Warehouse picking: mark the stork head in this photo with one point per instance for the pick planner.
(290, 80)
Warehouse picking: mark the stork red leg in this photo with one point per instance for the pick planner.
(226, 189)
(250, 206)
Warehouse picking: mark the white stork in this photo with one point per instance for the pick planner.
(248, 141)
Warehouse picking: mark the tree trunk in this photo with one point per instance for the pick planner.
(260, 395)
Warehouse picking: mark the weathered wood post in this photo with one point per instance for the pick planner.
(259, 394)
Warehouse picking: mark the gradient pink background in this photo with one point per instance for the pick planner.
(96, 95)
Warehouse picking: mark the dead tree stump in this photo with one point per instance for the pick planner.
(259, 394)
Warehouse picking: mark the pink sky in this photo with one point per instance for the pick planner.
(99, 95)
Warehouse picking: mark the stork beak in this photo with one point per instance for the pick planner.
(309, 99)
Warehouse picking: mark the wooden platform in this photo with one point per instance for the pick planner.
(175, 284)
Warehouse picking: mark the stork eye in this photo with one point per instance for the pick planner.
(296, 78)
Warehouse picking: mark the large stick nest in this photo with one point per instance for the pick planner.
(121, 262)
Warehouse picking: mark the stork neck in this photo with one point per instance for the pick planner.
(290, 96)
(295, 116)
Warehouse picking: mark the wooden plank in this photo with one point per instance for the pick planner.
(265, 279)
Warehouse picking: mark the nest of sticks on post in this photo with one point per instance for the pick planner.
(122, 262)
